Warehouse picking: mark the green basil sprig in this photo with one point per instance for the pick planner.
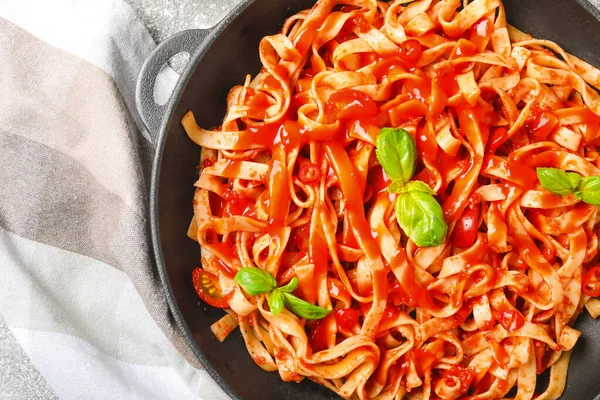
(420, 216)
(258, 281)
(255, 281)
(557, 181)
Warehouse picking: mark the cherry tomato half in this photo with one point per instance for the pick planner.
(591, 282)
(511, 320)
(208, 288)
(465, 231)
(350, 104)
(309, 173)
(410, 51)
(346, 318)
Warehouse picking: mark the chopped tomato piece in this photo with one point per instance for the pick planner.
(346, 318)
(480, 33)
(511, 320)
(497, 139)
(465, 47)
(208, 288)
(323, 334)
(540, 123)
(424, 360)
(235, 204)
(463, 375)
(309, 173)
(350, 104)
(398, 295)
(359, 24)
(390, 312)
(591, 282)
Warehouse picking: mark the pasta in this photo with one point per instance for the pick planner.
(308, 233)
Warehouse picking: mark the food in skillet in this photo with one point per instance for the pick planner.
(403, 202)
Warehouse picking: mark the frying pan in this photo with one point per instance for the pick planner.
(220, 59)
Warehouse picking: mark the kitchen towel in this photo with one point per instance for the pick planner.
(82, 312)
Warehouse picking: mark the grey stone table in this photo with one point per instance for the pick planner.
(166, 17)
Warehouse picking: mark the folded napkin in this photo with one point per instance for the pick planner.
(82, 311)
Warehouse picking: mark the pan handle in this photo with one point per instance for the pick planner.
(151, 113)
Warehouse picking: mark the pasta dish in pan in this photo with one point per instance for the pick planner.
(403, 202)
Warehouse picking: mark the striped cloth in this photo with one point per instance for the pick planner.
(82, 313)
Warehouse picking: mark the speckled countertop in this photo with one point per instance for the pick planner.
(166, 17)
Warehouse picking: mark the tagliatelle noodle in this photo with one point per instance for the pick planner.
(487, 105)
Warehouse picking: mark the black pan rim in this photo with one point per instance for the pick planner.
(195, 59)
(172, 104)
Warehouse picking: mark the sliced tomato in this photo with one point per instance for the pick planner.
(465, 231)
(309, 173)
(350, 104)
(591, 282)
(346, 318)
(208, 288)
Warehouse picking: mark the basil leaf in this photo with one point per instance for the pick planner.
(302, 308)
(255, 280)
(590, 190)
(418, 186)
(396, 186)
(575, 179)
(276, 300)
(421, 217)
(396, 151)
(290, 287)
(556, 181)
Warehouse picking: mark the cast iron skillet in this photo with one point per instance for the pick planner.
(220, 58)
